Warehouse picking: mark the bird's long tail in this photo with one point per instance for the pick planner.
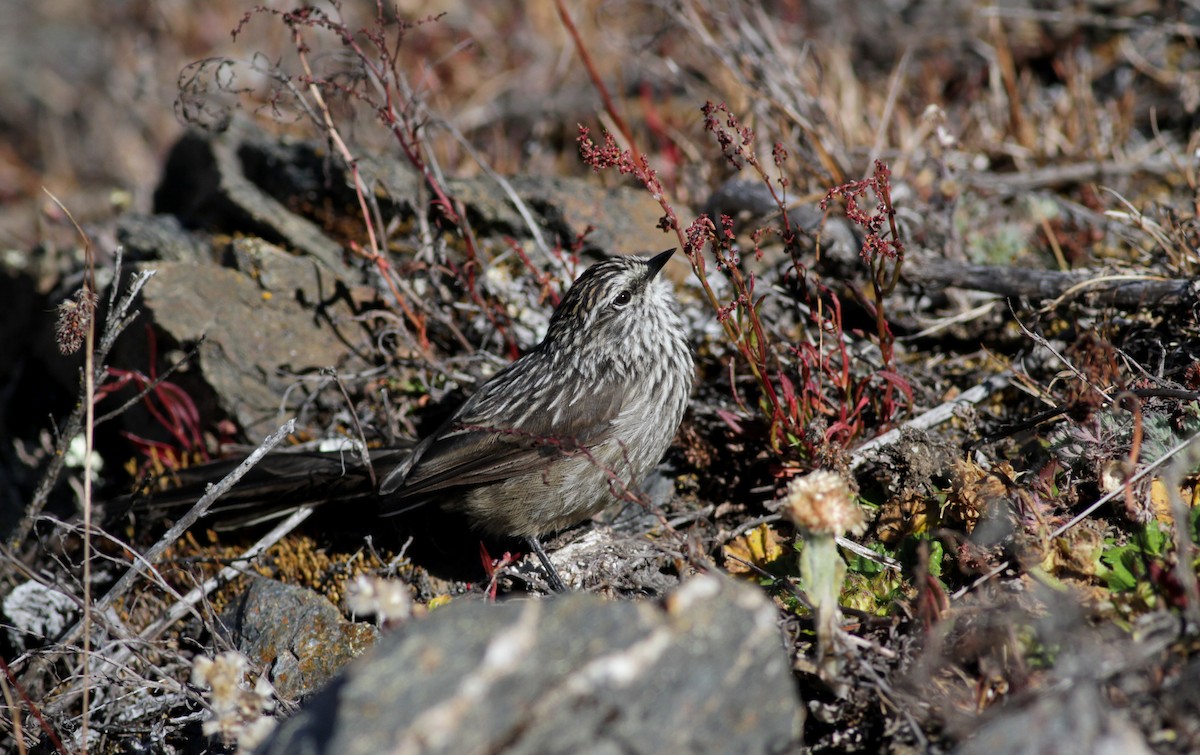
(280, 483)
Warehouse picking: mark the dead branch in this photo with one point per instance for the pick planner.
(1123, 291)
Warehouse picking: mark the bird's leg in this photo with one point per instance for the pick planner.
(556, 583)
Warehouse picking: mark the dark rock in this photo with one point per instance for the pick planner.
(205, 184)
(297, 636)
(702, 671)
(29, 390)
(242, 180)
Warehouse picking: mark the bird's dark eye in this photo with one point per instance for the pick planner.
(622, 299)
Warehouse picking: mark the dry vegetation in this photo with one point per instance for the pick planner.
(971, 226)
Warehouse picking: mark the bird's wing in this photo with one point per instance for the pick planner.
(477, 446)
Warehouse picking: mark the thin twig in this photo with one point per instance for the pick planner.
(151, 556)
(610, 107)
(931, 418)
(187, 602)
(1045, 343)
(155, 552)
(518, 203)
(889, 107)
(363, 454)
(52, 735)
(1100, 502)
(1121, 490)
(194, 514)
(89, 438)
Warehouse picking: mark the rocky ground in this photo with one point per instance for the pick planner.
(946, 252)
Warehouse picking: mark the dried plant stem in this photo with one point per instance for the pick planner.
(147, 560)
(931, 418)
(186, 603)
(1150, 467)
(361, 446)
(642, 170)
(610, 107)
(89, 426)
(1191, 442)
(88, 302)
(335, 136)
(194, 514)
(15, 715)
(1130, 401)
(331, 132)
(899, 73)
(116, 321)
(8, 680)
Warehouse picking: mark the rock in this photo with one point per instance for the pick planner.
(161, 237)
(622, 219)
(24, 384)
(702, 671)
(1077, 719)
(205, 184)
(244, 181)
(35, 612)
(297, 636)
(256, 342)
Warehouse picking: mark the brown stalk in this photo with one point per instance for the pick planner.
(89, 427)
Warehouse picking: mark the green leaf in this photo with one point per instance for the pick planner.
(936, 553)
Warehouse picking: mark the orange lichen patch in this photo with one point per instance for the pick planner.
(295, 560)
(183, 566)
(299, 560)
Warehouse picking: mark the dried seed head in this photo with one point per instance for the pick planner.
(821, 503)
(239, 714)
(389, 600)
(74, 317)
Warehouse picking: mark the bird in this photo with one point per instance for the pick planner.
(572, 425)
(560, 434)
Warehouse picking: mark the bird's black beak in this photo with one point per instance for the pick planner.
(656, 262)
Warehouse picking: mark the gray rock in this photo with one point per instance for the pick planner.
(296, 635)
(255, 341)
(622, 219)
(160, 237)
(702, 671)
(1075, 720)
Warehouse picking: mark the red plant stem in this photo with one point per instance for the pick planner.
(609, 106)
(331, 131)
(755, 361)
(543, 278)
(1131, 403)
(33, 708)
